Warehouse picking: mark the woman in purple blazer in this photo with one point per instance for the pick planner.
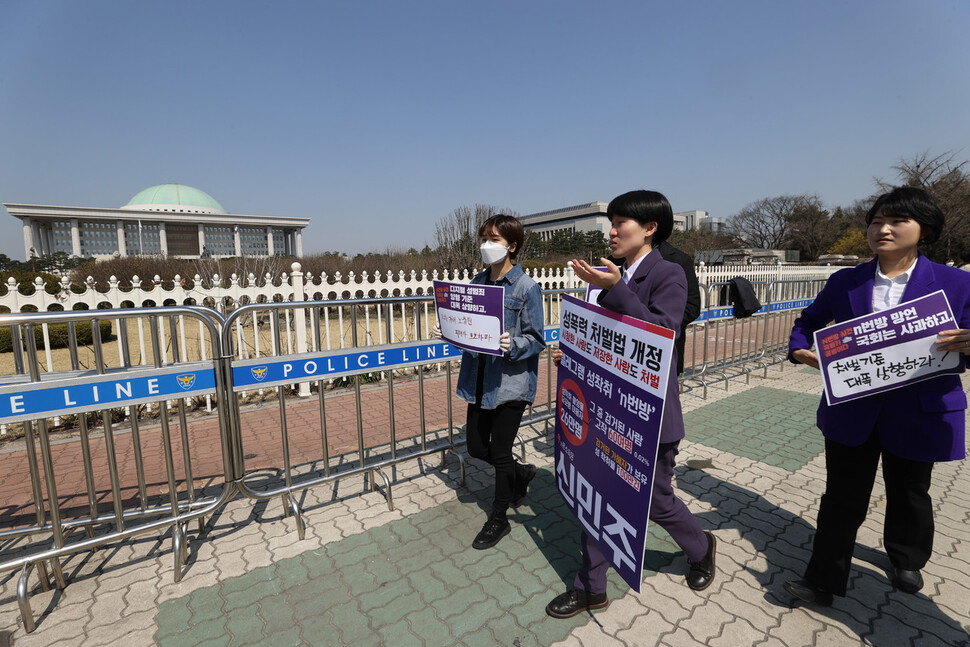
(910, 428)
(649, 288)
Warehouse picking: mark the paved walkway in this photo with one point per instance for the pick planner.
(364, 575)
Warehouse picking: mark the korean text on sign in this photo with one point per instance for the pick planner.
(886, 350)
(611, 386)
(471, 316)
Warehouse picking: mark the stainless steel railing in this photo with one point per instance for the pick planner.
(32, 398)
(152, 467)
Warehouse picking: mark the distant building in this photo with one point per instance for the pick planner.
(687, 220)
(580, 218)
(747, 256)
(592, 217)
(717, 225)
(167, 219)
(839, 259)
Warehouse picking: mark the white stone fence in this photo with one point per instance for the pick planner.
(226, 294)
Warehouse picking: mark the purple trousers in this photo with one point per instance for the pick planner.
(665, 509)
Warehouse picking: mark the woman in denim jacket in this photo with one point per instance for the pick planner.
(498, 388)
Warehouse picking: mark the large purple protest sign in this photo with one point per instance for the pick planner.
(471, 316)
(886, 350)
(610, 398)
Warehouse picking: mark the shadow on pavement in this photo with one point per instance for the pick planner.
(784, 540)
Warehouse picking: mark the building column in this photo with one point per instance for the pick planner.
(75, 238)
(269, 242)
(44, 238)
(42, 247)
(299, 243)
(201, 238)
(236, 241)
(35, 239)
(49, 238)
(28, 237)
(120, 229)
(162, 239)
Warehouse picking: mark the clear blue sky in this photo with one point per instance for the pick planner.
(377, 119)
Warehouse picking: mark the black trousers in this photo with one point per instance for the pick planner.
(908, 529)
(491, 434)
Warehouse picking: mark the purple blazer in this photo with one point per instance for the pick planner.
(657, 294)
(922, 421)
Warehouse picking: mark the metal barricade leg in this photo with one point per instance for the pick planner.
(387, 486)
(23, 597)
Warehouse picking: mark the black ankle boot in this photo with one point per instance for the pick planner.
(701, 573)
(575, 601)
(494, 529)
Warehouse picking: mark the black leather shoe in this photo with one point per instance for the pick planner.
(701, 573)
(907, 581)
(522, 489)
(808, 592)
(575, 601)
(491, 533)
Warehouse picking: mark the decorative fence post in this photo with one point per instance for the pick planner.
(299, 318)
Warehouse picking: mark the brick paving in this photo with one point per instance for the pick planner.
(751, 470)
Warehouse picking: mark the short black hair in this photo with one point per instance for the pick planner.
(645, 206)
(911, 202)
(508, 227)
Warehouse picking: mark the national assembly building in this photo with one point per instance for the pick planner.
(167, 219)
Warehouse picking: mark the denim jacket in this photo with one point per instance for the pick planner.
(513, 376)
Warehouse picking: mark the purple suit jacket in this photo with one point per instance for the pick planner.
(922, 421)
(657, 294)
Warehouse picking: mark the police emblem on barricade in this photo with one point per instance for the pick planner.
(186, 381)
(259, 372)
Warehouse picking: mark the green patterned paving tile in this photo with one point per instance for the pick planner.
(206, 604)
(276, 614)
(246, 626)
(399, 634)
(429, 628)
(352, 592)
(771, 426)
(173, 617)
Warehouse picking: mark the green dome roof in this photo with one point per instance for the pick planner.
(174, 197)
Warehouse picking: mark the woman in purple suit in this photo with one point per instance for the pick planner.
(910, 428)
(649, 288)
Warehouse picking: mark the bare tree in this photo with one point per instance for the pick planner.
(812, 230)
(242, 267)
(456, 236)
(765, 224)
(787, 222)
(947, 179)
(697, 240)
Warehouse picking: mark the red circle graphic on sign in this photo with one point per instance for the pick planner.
(572, 412)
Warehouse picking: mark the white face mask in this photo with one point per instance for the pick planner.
(493, 252)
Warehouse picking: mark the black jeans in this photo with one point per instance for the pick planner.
(491, 434)
(849, 476)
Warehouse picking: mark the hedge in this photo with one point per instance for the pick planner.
(57, 333)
